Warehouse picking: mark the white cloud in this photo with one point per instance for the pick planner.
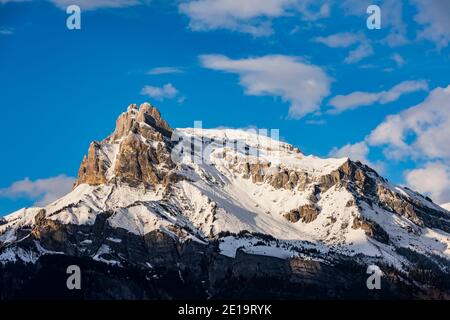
(364, 50)
(43, 191)
(88, 4)
(402, 88)
(398, 59)
(167, 91)
(248, 16)
(392, 20)
(301, 84)
(96, 4)
(355, 7)
(422, 131)
(419, 133)
(353, 100)
(312, 10)
(341, 103)
(164, 70)
(358, 151)
(434, 16)
(433, 179)
(340, 40)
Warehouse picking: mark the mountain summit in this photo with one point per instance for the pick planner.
(158, 212)
(136, 152)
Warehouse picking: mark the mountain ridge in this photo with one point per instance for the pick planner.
(240, 194)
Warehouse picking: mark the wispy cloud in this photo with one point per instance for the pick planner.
(362, 48)
(398, 59)
(6, 31)
(89, 4)
(392, 17)
(248, 16)
(164, 70)
(340, 40)
(96, 4)
(341, 103)
(301, 84)
(167, 91)
(434, 17)
(43, 191)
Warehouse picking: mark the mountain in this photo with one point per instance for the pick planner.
(163, 213)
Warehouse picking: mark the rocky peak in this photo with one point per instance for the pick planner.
(146, 120)
(136, 152)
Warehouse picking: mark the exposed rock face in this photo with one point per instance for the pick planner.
(258, 171)
(371, 229)
(307, 213)
(369, 187)
(147, 120)
(393, 202)
(362, 176)
(136, 161)
(93, 168)
(182, 270)
(293, 216)
(151, 116)
(263, 172)
(287, 179)
(413, 209)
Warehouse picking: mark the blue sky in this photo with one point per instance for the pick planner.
(311, 69)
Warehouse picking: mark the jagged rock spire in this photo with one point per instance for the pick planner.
(136, 120)
(135, 152)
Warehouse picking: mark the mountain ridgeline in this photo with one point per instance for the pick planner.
(163, 213)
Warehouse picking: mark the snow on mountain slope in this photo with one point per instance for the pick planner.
(223, 183)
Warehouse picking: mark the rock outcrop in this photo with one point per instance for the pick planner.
(307, 213)
(93, 168)
(371, 229)
(142, 153)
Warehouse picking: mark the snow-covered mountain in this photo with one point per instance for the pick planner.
(148, 190)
